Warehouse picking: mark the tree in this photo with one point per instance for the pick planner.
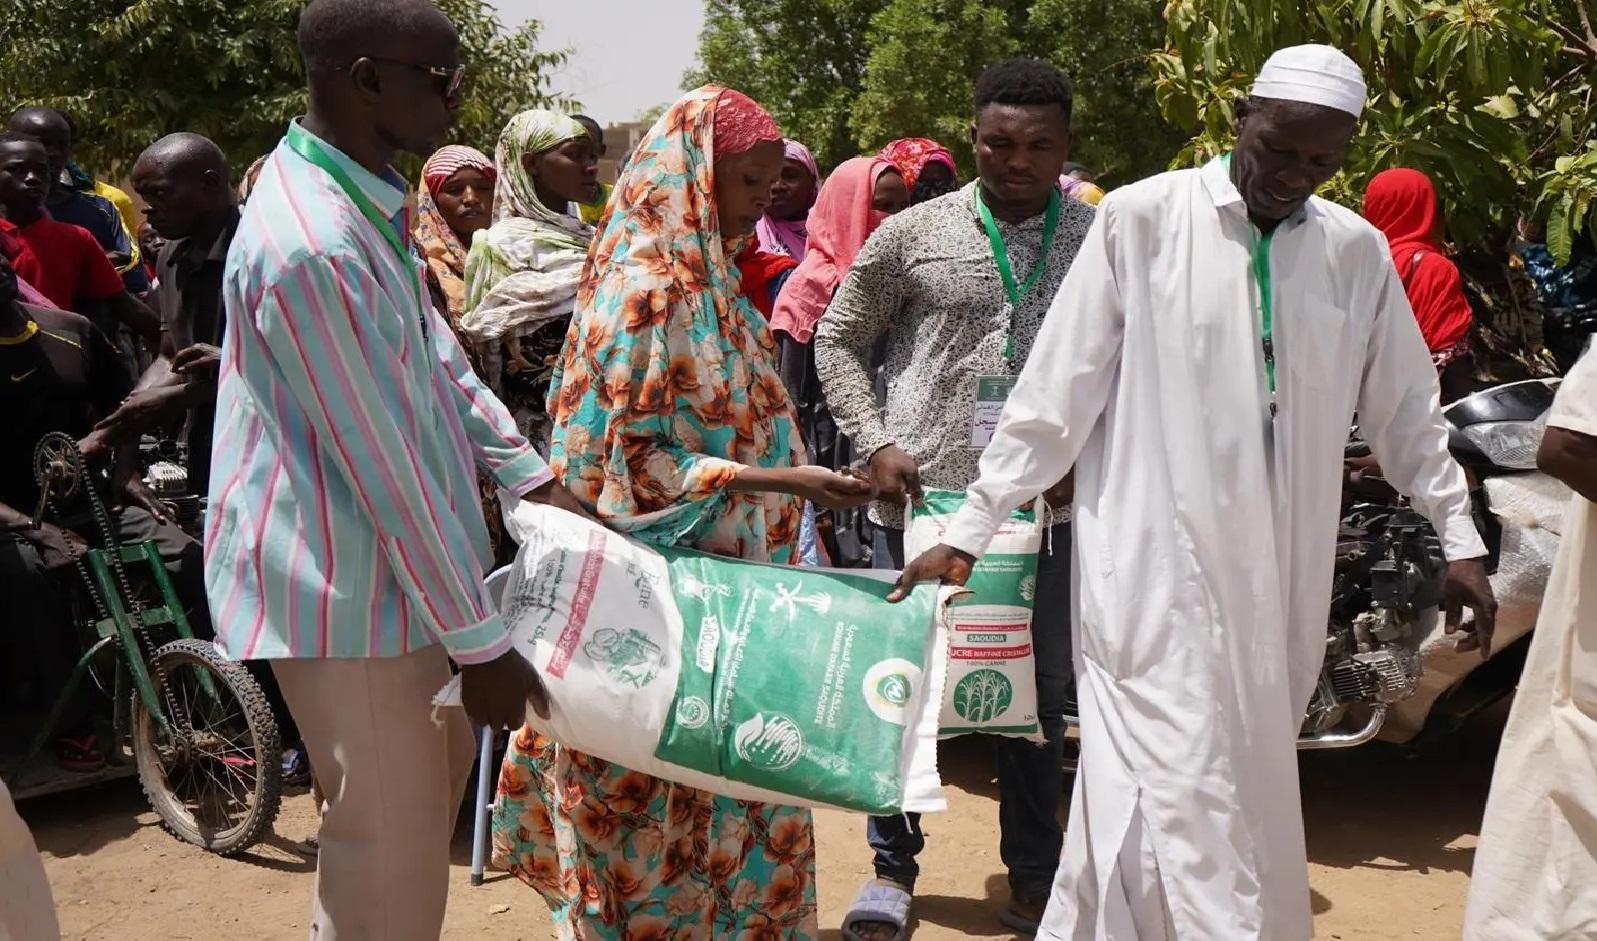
(130, 72)
(846, 76)
(1491, 98)
(803, 59)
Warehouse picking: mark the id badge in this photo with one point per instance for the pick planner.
(991, 394)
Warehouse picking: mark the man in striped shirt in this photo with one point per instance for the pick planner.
(345, 540)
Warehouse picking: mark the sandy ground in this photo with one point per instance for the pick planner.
(1391, 837)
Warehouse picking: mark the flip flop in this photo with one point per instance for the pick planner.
(81, 754)
(881, 902)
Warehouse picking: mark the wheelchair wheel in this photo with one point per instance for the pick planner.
(215, 777)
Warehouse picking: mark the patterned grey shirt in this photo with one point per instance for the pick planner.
(927, 278)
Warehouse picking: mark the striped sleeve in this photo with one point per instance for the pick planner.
(498, 446)
(320, 320)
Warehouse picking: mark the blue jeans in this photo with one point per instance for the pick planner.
(1031, 777)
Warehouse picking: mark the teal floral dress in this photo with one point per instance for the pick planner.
(665, 389)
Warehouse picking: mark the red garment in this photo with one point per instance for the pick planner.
(19, 255)
(758, 270)
(911, 155)
(1402, 204)
(740, 123)
(840, 222)
(64, 262)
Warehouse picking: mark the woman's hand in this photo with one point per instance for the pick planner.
(830, 489)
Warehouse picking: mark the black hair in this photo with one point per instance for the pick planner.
(1024, 82)
(1072, 166)
(588, 123)
(928, 189)
(72, 126)
(334, 33)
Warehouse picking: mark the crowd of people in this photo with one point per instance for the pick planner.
(729, 349)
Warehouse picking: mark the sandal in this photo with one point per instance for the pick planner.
(79, 753)
(882, 902)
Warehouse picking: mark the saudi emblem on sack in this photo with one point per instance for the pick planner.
(770, 742)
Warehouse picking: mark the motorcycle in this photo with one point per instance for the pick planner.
(1388, 660)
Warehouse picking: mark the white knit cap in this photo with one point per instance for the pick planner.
(1318, 75)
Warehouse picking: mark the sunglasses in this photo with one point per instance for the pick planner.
(450, 79)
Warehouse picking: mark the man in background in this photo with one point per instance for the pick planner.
(190, 203)
(932, 279)
(73, 197)
(63, 261)
(591, 212)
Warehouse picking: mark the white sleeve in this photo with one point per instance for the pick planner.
(1575, 406)
(1059, 396)
(1400, 416)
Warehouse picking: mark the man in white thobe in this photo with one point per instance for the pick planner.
(1200, 367)
(1535, 873)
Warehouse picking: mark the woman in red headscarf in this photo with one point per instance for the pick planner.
(924, 163)
(1402, 204)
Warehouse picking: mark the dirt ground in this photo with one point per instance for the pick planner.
(1391, 837)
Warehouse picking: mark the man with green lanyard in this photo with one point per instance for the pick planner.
(1200, 369)
(345, 542)
(959, 285)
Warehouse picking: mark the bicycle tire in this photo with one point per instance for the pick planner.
(192, 756)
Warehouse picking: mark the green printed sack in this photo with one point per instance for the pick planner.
(761, 682)
(992, 678)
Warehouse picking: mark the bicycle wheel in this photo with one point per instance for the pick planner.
(215, 779)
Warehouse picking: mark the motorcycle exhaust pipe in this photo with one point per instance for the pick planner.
(1346, 739)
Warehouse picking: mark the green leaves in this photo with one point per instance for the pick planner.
(1484, 95)
(845, 76)
(130, 72)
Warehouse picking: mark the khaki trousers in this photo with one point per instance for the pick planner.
(393, 780)
(27, 912)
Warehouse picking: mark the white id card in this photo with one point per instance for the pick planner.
(991, 394)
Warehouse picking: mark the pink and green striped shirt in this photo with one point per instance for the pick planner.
(344, 519)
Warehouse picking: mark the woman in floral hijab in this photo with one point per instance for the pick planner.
(521, 275)
(671, 424)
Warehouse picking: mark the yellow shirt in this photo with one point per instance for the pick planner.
(590, 213)
(129, 213)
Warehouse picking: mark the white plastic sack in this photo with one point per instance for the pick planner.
(1530, 508)
(992, 674)
(773, 683)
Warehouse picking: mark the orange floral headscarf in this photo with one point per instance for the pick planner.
(667, 384)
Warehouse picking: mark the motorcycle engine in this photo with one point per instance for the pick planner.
(1389, 572)
(169, 481)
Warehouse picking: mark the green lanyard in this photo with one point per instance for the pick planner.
(302, 143)
(1261, 274)
(1259, 256)
(1017, 292)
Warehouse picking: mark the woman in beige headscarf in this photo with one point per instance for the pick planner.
(522, 273)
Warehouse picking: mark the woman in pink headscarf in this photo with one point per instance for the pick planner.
(783, 231)
(845, 214)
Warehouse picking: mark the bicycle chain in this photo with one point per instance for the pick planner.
(55, 455)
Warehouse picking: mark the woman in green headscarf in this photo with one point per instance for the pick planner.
(522, 273)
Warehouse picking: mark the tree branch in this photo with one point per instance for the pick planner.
(1585, 23)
